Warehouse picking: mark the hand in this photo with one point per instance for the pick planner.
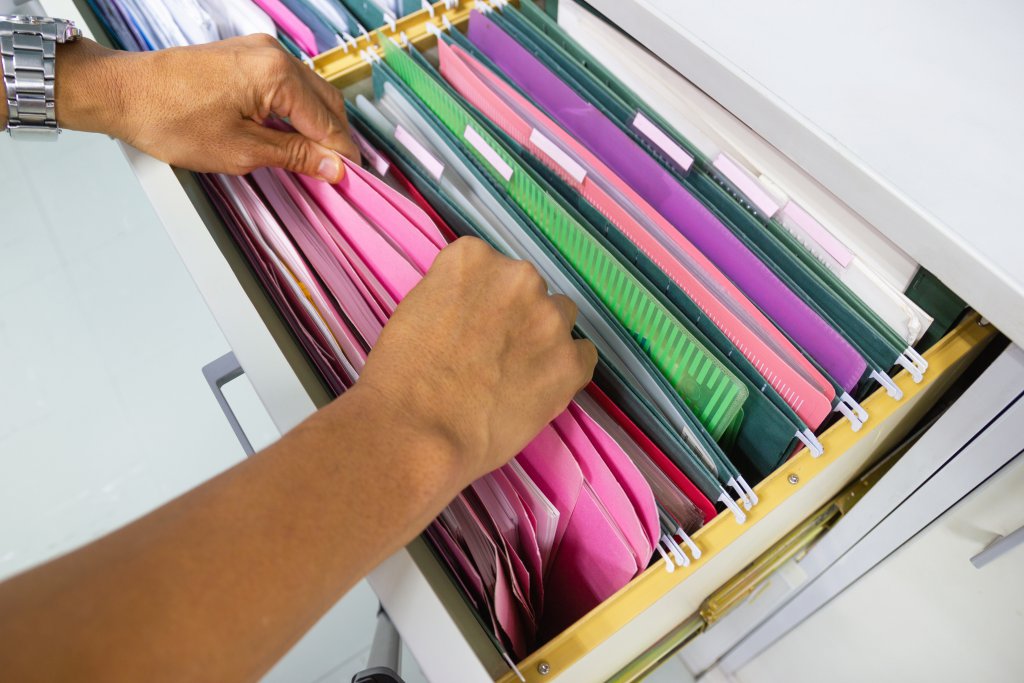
(202, 107)
(480, 352)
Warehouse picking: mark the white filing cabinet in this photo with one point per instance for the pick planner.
(874, 133)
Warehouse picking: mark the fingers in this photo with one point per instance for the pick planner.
(315, 109)
(293, 152)
(335, 104)
(587, 354)
(567, 307)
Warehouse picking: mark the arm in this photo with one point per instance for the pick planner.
(218, 584)
(202, 107)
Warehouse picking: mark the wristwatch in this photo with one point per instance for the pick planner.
(28, 51)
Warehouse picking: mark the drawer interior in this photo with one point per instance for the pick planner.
(656, 601)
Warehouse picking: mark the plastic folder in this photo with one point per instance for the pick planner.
(692, 431)
(682, 452)
(868, 274)
(769, 429)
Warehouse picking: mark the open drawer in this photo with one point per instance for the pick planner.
(432, 618)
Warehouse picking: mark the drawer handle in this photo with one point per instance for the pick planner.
(217, 374)
(998, 547)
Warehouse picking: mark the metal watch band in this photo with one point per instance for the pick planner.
(29, 55)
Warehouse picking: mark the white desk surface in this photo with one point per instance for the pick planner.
(910, 112)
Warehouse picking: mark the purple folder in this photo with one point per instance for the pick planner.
(657, 185)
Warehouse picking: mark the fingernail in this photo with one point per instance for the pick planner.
(330, 168)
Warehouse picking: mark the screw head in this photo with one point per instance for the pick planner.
(793, 479)
(543, 668)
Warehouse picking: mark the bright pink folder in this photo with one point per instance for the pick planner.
(409, 209)
(609, 491)
(358, 187)
(624, 472)
(591, 560)
(290, 24)
(364, 310)
(386, 265)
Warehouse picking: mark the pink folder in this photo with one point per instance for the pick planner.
(625, 473)
(609, 491)
(526, 529)
(591, 560)
(280, 291)
(365, 193)
(409, 209)
(271, 231)
(681, 481)
(290, 24)
(459, 564)
(367, 315)
(384, 264)
(300, 228)
(503, 529)
(542, 512)
(499, 584)
(590, 567)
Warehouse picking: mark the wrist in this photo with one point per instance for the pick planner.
(90, 87)
(403, 427)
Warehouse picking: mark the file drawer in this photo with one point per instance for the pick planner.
(624, 626)
(432, 619)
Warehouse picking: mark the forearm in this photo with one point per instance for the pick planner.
(89, 94)
(203, 107)
(221, 582)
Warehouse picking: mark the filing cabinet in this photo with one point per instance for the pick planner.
(432, 619)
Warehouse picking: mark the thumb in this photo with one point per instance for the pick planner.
(296, 153)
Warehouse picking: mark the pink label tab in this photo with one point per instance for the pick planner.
(747, 184)
(487, 152)
(818, 233)
(657, 137)
(376, 159)
(433, 165)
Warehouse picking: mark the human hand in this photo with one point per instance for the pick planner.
(478, 351)
(203, 107)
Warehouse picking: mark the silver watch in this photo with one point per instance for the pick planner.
(28, 51)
